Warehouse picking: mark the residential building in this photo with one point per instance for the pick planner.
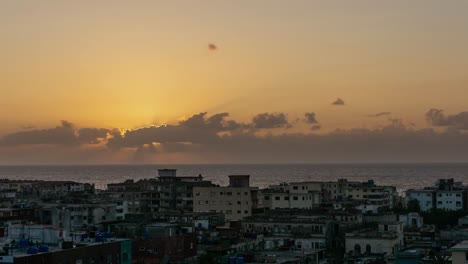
(386, 239)
(460, 253)
(235, 201)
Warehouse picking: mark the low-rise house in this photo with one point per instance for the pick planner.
(460, 253)
(386, 239)
(77, 217)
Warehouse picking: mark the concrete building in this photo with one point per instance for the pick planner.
(235, 201)
(371, 194)
(335, 191)
(446, 194)
(76, 217)
(460, 253)
(105, 251)
(297, 229)
(168, 192)
(295, 195)
(425, 198)
(387, 238)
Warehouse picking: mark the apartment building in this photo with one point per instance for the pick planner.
(445, 194)
(371, 194)
(236, 201)
(295, 195)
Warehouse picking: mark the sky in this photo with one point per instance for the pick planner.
(117, 82)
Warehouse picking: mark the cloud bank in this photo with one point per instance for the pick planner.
(204, 138)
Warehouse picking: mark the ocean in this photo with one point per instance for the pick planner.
(403, 176)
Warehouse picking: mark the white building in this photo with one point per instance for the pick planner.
(387, 239)
(450, 199)
(425, 198)
(295, 195)
(445, 194)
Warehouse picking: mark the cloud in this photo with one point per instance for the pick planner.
(436, 117)
(92, 135)
(60, 135)
(380, 114)
(310, 118)
(212, 47)
(273, 120)
(338, 101)
(198, 129)
(216, 138)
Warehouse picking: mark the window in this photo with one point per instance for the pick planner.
(246, 193)
(239, 211)
(295, 198)
(286, 198)
(228, 193)
(246, 212)
(238, 202)
(228, 211)
(295, 187)
(277, 198)
(267, 197)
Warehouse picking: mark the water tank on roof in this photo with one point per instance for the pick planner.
(232, 260)
(107, 234)
(32, 250)
(240, 260)
(23, 243)
(99, 237)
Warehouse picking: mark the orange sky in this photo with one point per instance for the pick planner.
(127, 64)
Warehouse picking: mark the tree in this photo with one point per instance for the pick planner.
(413, 205)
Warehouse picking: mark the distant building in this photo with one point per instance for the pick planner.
(446, 194)
(106, 251)
(76, 217)
(295, 195)
(236, 201)
(168, 192)
(386, 239)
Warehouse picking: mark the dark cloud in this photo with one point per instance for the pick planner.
(270, 120)
(436, 117)
(215, 138)
(212, 47)
(311, 118)
(92, 135)
(196, 129)
(315, 127)
(216, 122)
(338, 101)
(380, 114)
(60, 135)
